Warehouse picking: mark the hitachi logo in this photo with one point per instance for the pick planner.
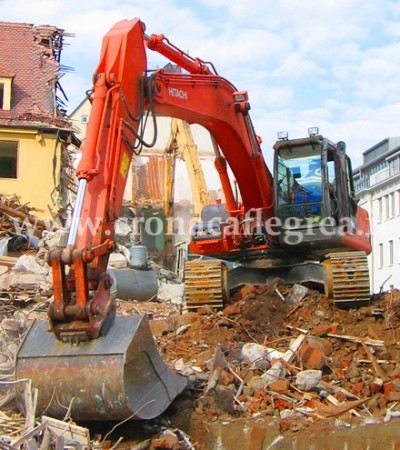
(173, 92)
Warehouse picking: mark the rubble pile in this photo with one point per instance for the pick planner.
(28, 280)
(286, 355)
(298, 363)
(18, 220)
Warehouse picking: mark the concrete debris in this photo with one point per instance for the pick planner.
(276, 372)
(117, 261)
(252, 352)
(53, 240)
(308, 380)
(297, 293)
(4, 245)
(123, 233)
(28, 263)
(170, 292)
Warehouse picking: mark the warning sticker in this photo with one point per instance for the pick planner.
(123, 169)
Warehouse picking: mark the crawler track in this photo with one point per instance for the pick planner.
(350, 278)
(205, 284)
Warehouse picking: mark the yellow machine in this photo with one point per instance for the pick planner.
(181, 145)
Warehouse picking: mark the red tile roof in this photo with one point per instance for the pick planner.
(4, 73)
(28, 53)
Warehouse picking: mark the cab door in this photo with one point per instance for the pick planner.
(346, 202)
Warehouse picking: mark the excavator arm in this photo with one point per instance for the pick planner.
(110, 365)
(188, 152)
(124, 96)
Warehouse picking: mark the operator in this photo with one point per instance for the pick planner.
(308, 189)
(314, 170)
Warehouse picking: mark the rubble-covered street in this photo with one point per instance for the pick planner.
(277, 367)
(295, 362)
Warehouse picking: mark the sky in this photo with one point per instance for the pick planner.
(329, 63)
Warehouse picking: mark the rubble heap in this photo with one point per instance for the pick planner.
(284, 355)
(16, 218)
(263, 356)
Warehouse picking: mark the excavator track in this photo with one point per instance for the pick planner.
(349, 275)
(205, 284)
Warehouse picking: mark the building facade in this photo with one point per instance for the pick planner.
(35, 135)
(377, 186)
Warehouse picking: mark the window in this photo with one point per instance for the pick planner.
(390, 253)
(394, 166)
(398, 249)
(299, 178)
(387, 204)
(398, 202)
(84, 119)
(379, 209)
(5, 92)
(392, 205)
(380, 256)
(8, 159)
(1, 95)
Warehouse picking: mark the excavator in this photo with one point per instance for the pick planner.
(182, 137)
(181, 144)
(317, 234)
(99, 366)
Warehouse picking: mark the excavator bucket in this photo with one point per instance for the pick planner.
(117, 376)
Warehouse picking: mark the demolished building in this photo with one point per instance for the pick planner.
(35, 135)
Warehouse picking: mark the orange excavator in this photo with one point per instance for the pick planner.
(103, 367)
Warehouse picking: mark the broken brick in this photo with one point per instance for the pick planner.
(204, 310)
(261, 289)
(280, 403)
(284, 425)
(321, 330)
(311, 356)
(232, 310)
(165, 441)
(243, 292)
(387, 388)
(160, 327)
(225, 378)
(357, 387)
(187, 319)
(376, 386)
(305, 313)
(280, 386)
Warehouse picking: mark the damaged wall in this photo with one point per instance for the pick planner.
(34, 131)
(36, 71)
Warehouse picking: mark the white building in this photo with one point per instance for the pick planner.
(377, 186)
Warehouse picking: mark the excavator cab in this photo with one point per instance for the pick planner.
(314, 192)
